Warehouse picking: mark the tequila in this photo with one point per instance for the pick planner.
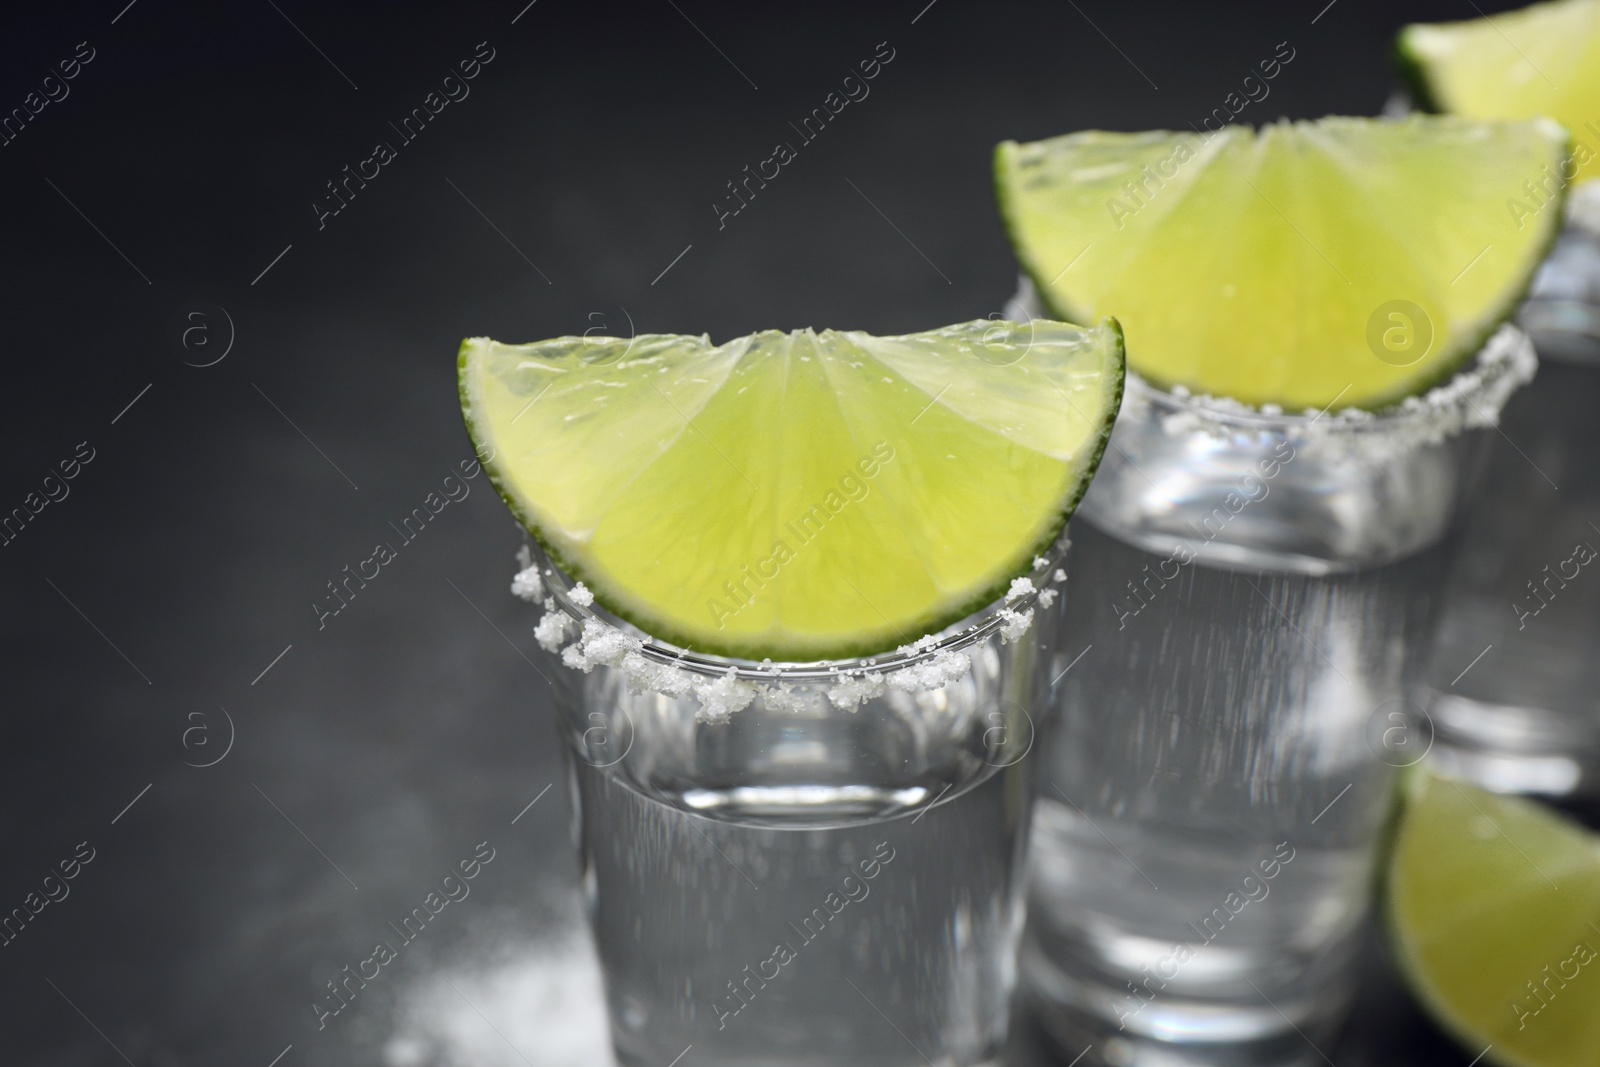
(1513, 680)
(831, 873)
(1252, 594)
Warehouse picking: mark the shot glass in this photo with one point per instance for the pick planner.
(1562, 312)
(802, 863)
(1513, 687)
(1251, 593)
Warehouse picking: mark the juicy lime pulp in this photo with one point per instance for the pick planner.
(1541, 60)
(798, 495)
(1344, 262)
(1494, 917)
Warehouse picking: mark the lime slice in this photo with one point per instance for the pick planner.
(1494, 915)
(796, 495)
(1541, 60)
(1344, 262)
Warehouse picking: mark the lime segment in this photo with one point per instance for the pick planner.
(1345, 262)
(1494, 912)
(796, 495)
(1541, 60)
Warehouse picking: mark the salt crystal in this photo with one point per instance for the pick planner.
(551, 630)
(782, 697)
(944, 669)
(527, 585)
(646, 676)
(721, 698)
(921, 644)
(639, 672)
(1020, 587)
(1014, 623)
(850, 690)
(673, 681)
(594, 643)
(601, 645)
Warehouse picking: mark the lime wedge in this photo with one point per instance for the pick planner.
(796, 495)
(1344, 262)
(1494, 916)
(1541, 60)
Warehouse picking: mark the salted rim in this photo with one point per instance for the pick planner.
(1473, 396)
(1007, 610)
(1469, 398)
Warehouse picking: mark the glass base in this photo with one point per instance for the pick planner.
(1099, 1043)
(1511, 681)
(1508, 749)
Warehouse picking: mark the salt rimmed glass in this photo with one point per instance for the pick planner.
(802, 863)
(1513, 677)
(1251, 593)
(1562, 312)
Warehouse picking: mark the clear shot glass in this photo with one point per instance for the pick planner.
(1251, 592)
(1513, 686)
(1562, 312)
(803, 863)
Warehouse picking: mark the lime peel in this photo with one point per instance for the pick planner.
(1487, 897)
(1267, 266)
(1543, 59)
(659, 472)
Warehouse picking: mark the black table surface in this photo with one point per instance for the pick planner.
(260, 373)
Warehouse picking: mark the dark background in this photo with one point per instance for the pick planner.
(186, 557)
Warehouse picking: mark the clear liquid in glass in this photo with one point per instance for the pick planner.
(1212, 793)
(802, 885)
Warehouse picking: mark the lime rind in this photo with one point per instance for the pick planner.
(1536, 60)
(1102, 348)
(1414, 74)
(1468, 332)
(1482, 892)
